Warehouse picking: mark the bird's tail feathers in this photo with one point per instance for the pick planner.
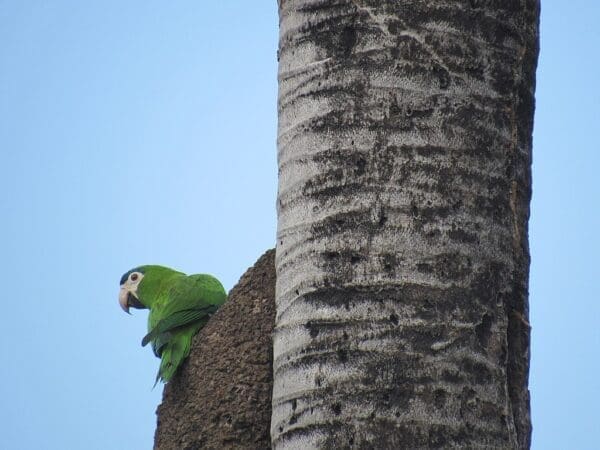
(172, 356)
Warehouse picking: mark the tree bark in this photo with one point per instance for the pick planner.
(220, 398)
(404, 151)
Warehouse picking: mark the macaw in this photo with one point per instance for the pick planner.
(180, 305)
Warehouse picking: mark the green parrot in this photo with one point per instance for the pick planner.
(179, 305)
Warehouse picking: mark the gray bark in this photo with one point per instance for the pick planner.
(221, 396)
(404, 150)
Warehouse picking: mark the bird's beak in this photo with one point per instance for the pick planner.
(129, 299)
(123, 294)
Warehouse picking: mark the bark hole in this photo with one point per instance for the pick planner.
(484, 329)
(382, 219)
(313, 331)
(318, 382)
(440, 398)
(360, 165)
(348, 40)
(442, 76)
(336, 408)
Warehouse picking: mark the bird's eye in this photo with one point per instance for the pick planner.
(133, 277)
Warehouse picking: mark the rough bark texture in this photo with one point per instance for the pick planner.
(404, 151)
(221, 397)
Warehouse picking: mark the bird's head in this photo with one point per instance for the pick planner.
(128, 295)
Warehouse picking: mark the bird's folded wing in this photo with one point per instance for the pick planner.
(178, 319)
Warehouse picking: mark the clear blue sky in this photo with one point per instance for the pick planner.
(144, 131)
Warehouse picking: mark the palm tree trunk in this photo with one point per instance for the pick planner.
(404, 151)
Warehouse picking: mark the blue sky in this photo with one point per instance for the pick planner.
(138, 132)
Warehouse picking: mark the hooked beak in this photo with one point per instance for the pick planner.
(128, 299)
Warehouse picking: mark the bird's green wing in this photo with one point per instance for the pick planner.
(179, 319)
(189, 301)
